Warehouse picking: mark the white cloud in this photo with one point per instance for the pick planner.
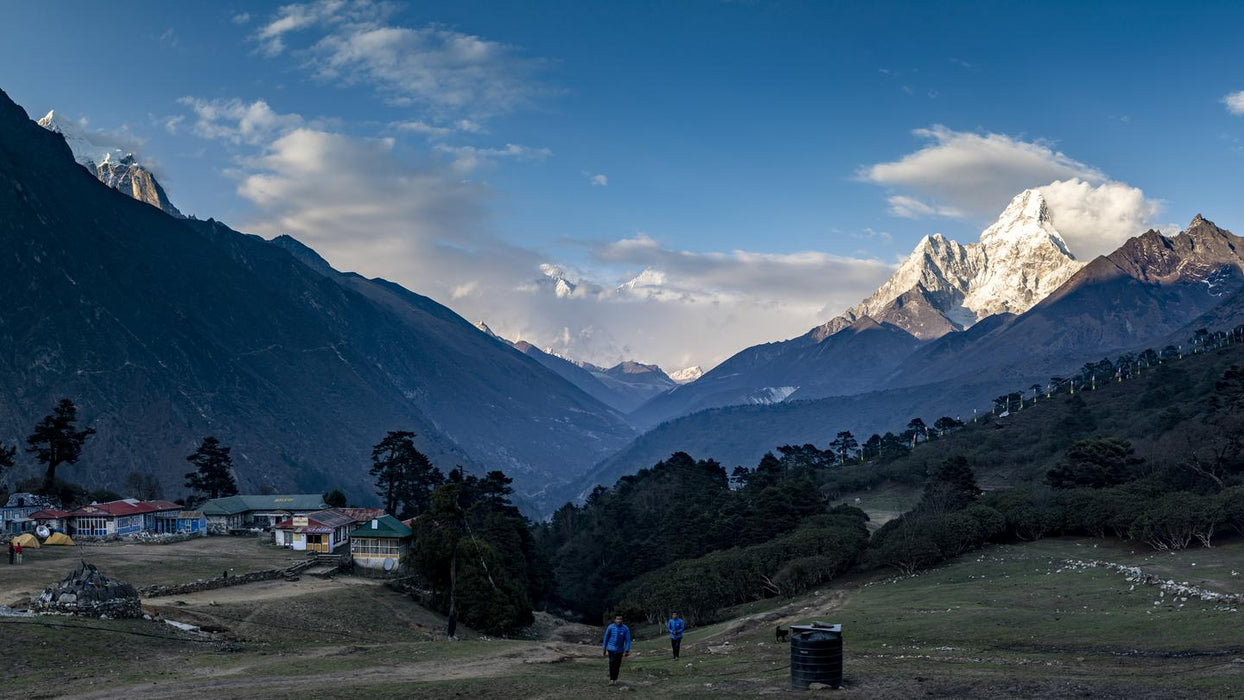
(241, 18)
(469, 158)
(422, 127)
(1234, 102)
(906, 207)
(972, 176)
(237, 121)
(679, 308)
(431, 67)
(975, 173)
(1096, 220)
(365, 207)
(597, 180)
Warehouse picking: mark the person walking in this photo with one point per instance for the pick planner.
(17, 549)
(451, 626)
(616, 644)
(675, 626)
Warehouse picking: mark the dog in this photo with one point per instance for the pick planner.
(781, 635)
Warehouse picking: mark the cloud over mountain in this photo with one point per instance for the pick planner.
(971, 176)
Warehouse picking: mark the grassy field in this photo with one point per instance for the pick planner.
(145, 564)
(1009, 621)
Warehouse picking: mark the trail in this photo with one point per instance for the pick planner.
(241, 680)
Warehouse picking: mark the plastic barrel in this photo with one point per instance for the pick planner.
(815, 655)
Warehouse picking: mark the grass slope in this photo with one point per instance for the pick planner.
(1009, 621)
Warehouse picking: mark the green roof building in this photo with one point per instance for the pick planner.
(257, 511)
(381, 546)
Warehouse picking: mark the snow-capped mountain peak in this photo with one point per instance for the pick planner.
(107, 160)
(687, 375)
(1018, 261)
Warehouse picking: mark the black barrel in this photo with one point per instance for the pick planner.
(815, 655)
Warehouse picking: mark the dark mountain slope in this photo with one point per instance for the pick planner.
(814, 365)
(165, 330)
(1142, 295)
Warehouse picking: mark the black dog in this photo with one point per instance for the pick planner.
(781, 635)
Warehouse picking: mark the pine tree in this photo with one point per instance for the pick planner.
(55, 440)
(6, 457)
(214, 476)
(405, 476)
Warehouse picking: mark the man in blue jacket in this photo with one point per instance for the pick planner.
(617, 643)
(675, 626)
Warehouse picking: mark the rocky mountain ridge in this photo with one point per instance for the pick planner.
(113, 165)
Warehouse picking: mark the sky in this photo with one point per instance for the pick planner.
(665, 182)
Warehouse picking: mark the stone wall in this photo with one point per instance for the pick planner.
(208, 584)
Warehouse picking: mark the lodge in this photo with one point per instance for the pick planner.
(320, 531)
(381, 546)
(15, 515)
(257, 512)
(113, 518)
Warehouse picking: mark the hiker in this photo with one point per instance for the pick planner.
(451, 626)
(12, 553)
(17, 549)
(675, 626)
(617, 643)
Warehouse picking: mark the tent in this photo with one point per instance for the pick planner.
(58, 538)
(27, 541)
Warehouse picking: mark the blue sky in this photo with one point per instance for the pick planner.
(766, 162)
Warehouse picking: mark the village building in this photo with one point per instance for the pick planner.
(257, 512)
(321, 531)
(54, 519)
(180, 522)
(15, 514)
(381, 545)
(124, 517)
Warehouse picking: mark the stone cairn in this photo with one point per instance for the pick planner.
(88, 592)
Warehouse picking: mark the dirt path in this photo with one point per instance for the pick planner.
(241, 680)
(260, 591)
(821, 605)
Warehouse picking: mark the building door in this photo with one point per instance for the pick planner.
(316, 543)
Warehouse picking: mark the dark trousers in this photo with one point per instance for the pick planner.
(615, 664)
(674, 644)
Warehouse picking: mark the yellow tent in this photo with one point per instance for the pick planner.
(27, 541)
(58, 538)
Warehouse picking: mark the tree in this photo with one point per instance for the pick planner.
(872, 447)
(1096, 462)
(944, 425)
(55, 441)
(213, 475)
(335, 499)
(145, 487)
(405, 477)
(952, 487)
(917, 428)
(845, 445)
(7, 455)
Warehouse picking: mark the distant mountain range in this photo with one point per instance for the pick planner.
(164, 330)
(624, 387)
(1152, 291)
(942, 287)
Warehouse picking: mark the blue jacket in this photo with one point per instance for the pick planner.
(676, 627)
(617, 638)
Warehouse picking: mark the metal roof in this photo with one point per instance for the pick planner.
(387, 527)
(329, 519)
(232, 505)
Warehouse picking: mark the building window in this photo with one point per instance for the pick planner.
(375, 547)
